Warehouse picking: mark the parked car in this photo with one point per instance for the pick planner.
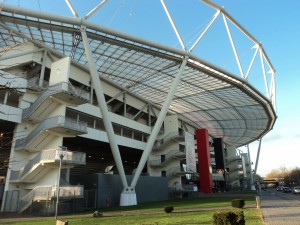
(296, 190)
(279, 188)
(286, 189)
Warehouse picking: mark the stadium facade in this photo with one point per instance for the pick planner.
(91, 113)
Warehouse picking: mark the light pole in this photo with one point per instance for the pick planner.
(61, 153)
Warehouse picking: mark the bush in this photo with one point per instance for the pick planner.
(228, 217)
(238, 203)
(169, 209)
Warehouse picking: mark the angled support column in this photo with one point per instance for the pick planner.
(257, 158)
(158, 124)
(252, 187)
(103, 107)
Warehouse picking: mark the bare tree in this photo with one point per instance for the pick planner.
(293, 177)
(279, 173)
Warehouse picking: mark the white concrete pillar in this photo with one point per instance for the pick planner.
(157, 126)
(103, 108)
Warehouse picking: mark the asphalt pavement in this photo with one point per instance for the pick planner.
(280, 208)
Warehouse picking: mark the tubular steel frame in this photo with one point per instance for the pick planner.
(183, 57)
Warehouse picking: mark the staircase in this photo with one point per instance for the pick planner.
(48, 101)
(178, 172)
(233, 159)
(172, 155)
(234, 177)
(43, 193)
(33, 85)
(45, 130)
(43, 162)
(173, 136)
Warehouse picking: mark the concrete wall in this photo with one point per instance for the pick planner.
(60, 71)
(109, 186)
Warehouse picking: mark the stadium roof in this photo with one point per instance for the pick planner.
(207, 96)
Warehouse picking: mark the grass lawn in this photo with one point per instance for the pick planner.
(186, 211)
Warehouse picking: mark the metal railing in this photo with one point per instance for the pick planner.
(233, 159)
(165, 140)
(68, 192)
(177, 171)
(48, 192)
(26, 201)
(33, 84)
(58, 121)
(72, 157)
(79, 91)
(184, 188)
(60, 87)
(235, 176)
(173, 154)
(34, 81)
(236, 168)
(45, 156)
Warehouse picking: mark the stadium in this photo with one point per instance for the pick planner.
(92, 116)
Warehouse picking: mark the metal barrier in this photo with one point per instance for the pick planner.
(46, 156)
(60, 87)
(171, 136)
(58, 121)
(173, 154)
(47, 193)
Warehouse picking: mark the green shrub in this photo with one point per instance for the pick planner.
(228, 217)
(238, 203)
(169, 209)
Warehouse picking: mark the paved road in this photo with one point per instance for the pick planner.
(280, 208)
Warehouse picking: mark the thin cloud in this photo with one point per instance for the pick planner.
(273, 137)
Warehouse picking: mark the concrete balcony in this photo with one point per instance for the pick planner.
(10, 113)
(236, 168)
(172, 155)
(234, 159)
(178, 172)
(48, 129)
(61, 93)
(43, 162)
(235, 176)
(173, 136)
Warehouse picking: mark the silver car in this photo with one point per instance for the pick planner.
(296, 190)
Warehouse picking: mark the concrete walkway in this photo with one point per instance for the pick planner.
(280, 208)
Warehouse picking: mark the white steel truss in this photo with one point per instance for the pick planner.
(271, 92)
(221, 104)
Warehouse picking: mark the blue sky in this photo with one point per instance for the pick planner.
(275, 23)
